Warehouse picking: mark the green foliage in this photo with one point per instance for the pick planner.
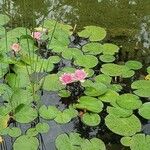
(107, 58)
(144, 111)
(135, 65)
(4, 19)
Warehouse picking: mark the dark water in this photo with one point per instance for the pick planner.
(127, 23)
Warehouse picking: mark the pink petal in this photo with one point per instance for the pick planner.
(80, 75)
(16, 47)
(36, 35)
(66, 78)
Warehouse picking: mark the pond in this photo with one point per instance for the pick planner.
(127, 23)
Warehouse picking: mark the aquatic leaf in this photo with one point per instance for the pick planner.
(137, 142)
(115, 87)
(4, 122)
(110, 49)
(2, 31)
(105, 79)
(87, 61)
(71, 111)
(110, 96)
(64, 93)
(52, 83)
(3, 69)
(63, 117)
(54, 59)
(144, 111)
(42, 127)
(141, 88)
(14, 132)
(26, 114)
(123, 126)
(92, 48)
(49, 112)
(135, 65)
(95, 89)
(90, 104)
(94, 33)
(4, 19)
(91, 119)
(68, 142)
(126, 141)
(107, 58)
(129, 101)
(31, 132)
(93, 144)
(119, 112)
(25, 142)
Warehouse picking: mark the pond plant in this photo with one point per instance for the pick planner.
(84, 71)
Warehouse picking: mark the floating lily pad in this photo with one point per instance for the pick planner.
(92, 48)
(26, 114)
(107, 58)
(91, 119)
(64, 93)
(42, 127)
(4, 19)
(87, 61)
(129, 101)
(94, 33)
(144, 111)
(2, 31)
(3, 69)
(123, 126)
(49, 112)
(103, 79)
(71, 53)
(25, 142)
(14, 132)
(137, 142)
(119, 112)
(90, 104)
(110, 49)
(52, 83)
(141, 88)
(4, 122)
(32, 132)
(135, 65)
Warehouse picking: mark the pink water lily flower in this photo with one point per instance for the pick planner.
(36, 35)
(16, 47)
(67, 78)
(80, 75)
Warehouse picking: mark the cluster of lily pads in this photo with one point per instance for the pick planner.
(79, 67)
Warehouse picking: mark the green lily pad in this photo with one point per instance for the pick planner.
(4, 122)
(137, 142)
(31, 132)
(87, 61)
(25, 142)
(2, 31)
(26, 114)
(71, 53)
(119, 112)
(49, 112)
(42, 127)
(129, 101)
(110, 49)
(103, 79)
(14, 132)
(123, 126)
(144, 111)
(94, 33)
(3, 69)
(92, 48)
(52, 83)
(4, 19)
(141, 88)
(64, 93)
(135, 65)
(91, 119)
(90, 104)
(107, 58)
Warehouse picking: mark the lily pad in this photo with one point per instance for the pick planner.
(52, 83)
(25, 142)
(107, 58)
(87, 61)
(135, 65)
(4, 19)
(110, 49)
(92, 48)
(90, 104)
(144, 111)
(14, 132)
(123, 126)
(129, 101)
(91, 119)
(42, 127)
(94, 33)
(103, 79)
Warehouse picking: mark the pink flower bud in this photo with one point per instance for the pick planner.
(67, 78)
(16, 47)
(36, 35)
(80, 75)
